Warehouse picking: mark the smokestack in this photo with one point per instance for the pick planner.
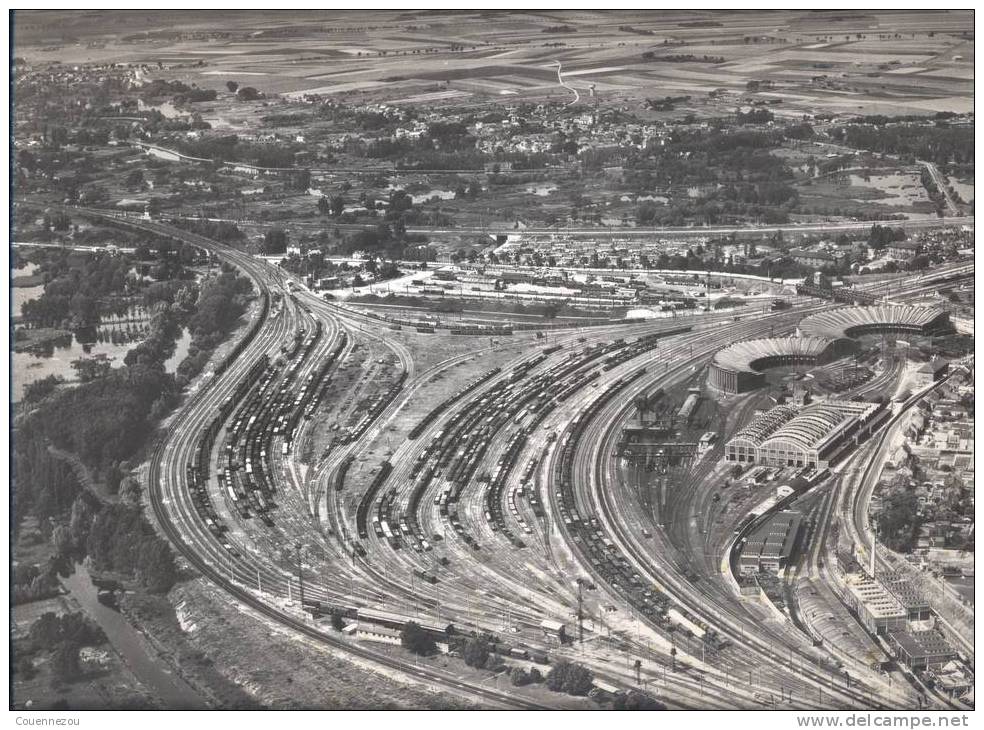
(872, 568)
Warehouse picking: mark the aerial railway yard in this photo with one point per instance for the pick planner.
(496, 507)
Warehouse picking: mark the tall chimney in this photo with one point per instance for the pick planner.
(872, 569)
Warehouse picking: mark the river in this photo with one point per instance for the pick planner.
(139, 655)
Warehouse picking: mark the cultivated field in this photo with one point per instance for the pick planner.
(838, 62)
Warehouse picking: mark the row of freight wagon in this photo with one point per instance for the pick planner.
(588, 535)
(456, 451)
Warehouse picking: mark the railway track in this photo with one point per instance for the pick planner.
(162, 514)
(212, 563)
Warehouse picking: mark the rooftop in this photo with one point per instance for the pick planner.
(847, 320)
(923, 644)
(747, 355)
(818, 424)
(879, 603)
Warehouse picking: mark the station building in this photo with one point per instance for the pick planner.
(816, 435)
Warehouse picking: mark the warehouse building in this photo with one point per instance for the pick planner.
(817, 435)
(770, 547)
(921, 649)
(902, 589)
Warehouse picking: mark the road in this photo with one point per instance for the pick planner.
(943, 186)
(560, 80)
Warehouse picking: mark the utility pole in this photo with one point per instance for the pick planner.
(300, 575)
(580, 612)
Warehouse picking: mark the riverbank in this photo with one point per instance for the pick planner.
(28, 339)
(151, 669)
(27, 280)
(105, 683)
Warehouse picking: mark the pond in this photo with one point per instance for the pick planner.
(56, 356)
(23, 294)
(180, 351)
(154, 673)
(29, 366)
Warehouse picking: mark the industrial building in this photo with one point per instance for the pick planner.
(816, 435)
(877, 609)
(770, 547)
(738, 367)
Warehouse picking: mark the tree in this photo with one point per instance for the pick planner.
(275, 241)
(89, 369)
(417, 641)
(636, 701)
(324, 207)
(135, 180)
(155, 565)
(336, 622)
(62, 541)
(232, 86)
(337, 205)
(476, 651)
(519, 677)
(400, 201)
(46, 631)
(65, 667)
(130, 490)
(301, 180)
(248, 93)
(39, 389)
(25, 667)
(570, 678)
